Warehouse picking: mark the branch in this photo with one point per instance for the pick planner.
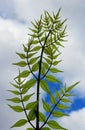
(30, 67)
(52, 110)
(24, 108)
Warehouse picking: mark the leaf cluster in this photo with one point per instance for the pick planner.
(40, 62)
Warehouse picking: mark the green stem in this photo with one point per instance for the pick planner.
(38, 83)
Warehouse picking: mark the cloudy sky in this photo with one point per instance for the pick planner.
(15, 18)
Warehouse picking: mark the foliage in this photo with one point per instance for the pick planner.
(39, 61)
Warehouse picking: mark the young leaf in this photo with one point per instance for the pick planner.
(16, 108)
(20, 123)
(46, 106)
(53, 124)
(21, 63)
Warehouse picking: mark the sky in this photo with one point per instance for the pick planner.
(15, 18)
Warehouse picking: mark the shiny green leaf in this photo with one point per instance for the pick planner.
(33, 60)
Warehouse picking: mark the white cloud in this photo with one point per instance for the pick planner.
(76, 120)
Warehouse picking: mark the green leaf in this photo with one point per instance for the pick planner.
(52, 99)
(56, 62)
(31, 105)
(29, 84)
(29, 129)
(21, 63)
(15, 100)
(14, 92)
(45, 128)
(42, 117)
(46, 106)
(62, 106)
(31, 54)
(35, 67)
(53, 124)
(14, 85)
(66, 100)
(68, 95)
(57, 95)
(35, 41)
(45, 65)
(51, 78)
(37, 48)
(16, 108)
(25, 48)
(44, 86)
(33, 60)
(23, 74)
(54, 70)
(19, 123)
(27, 97)
(58, 114)
(32, 114)
(71, 87)
(22, 56)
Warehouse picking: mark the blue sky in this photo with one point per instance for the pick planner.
(15, 18)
